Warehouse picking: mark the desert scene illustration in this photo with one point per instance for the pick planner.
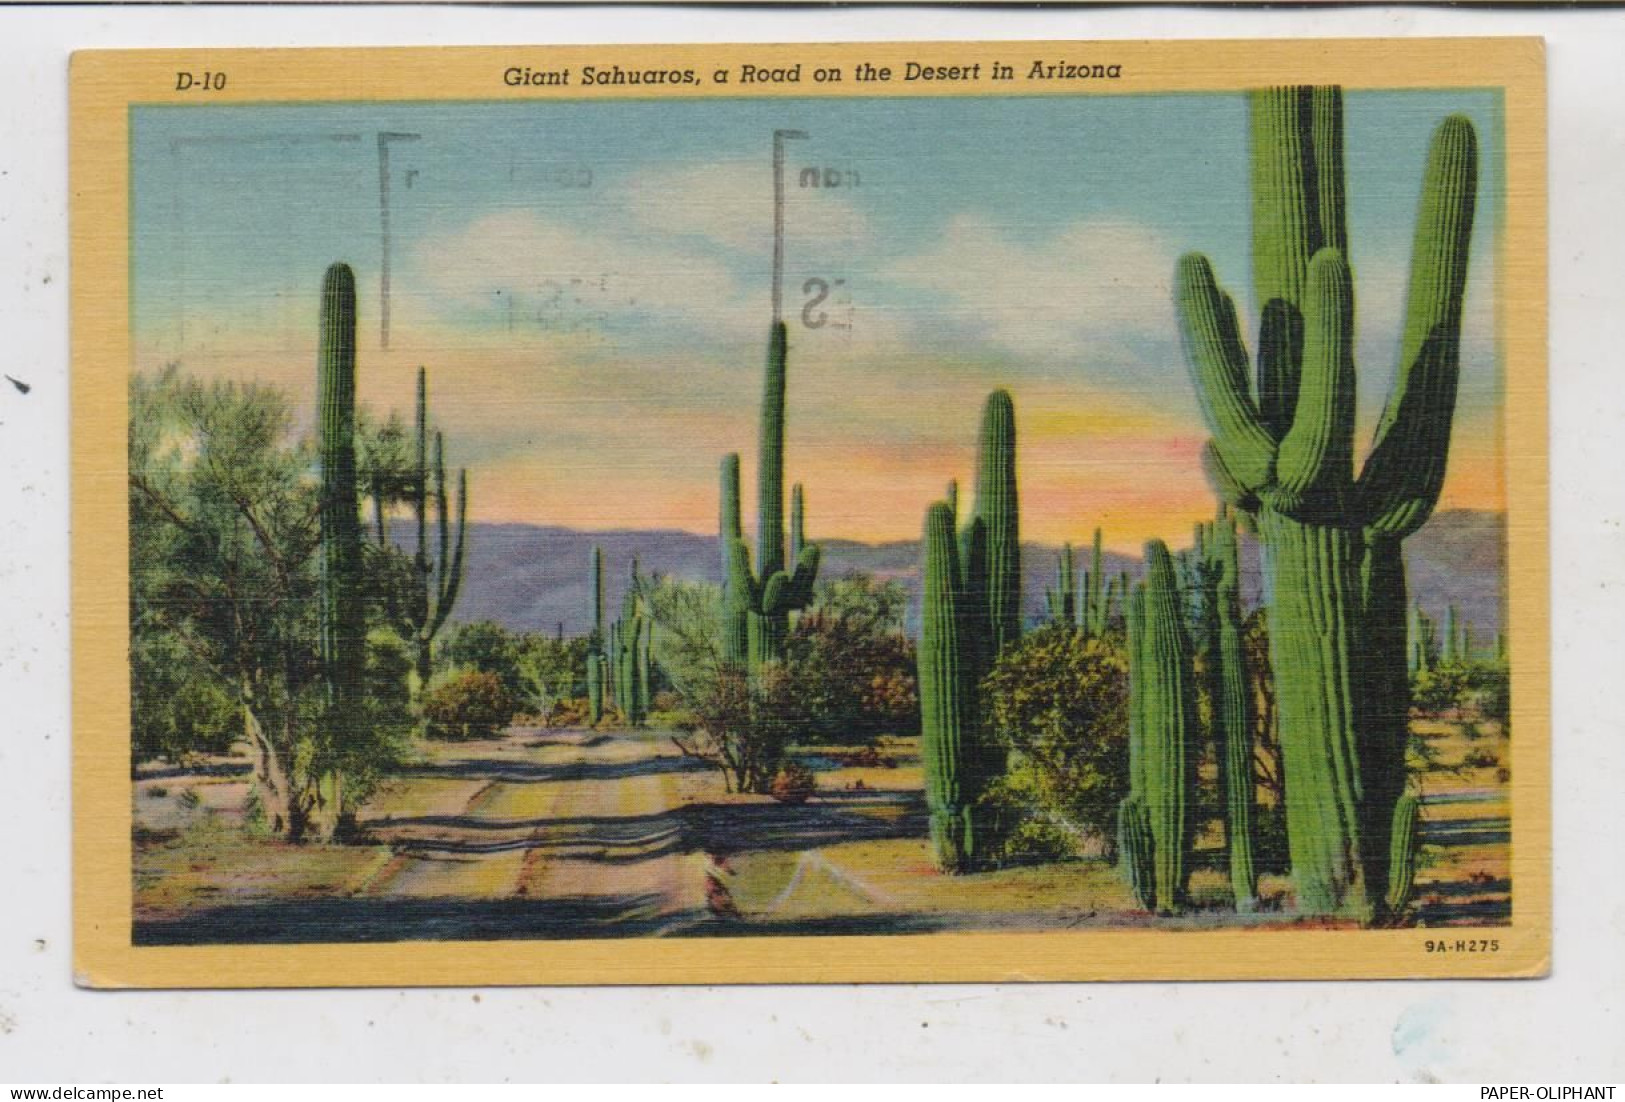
(746, 517)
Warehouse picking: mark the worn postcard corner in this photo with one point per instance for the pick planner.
(810, 513)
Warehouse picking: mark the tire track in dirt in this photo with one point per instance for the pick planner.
(589, 818)
(616, 836)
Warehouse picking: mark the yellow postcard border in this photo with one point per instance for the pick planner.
(105, 84)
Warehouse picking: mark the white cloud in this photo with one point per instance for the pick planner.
(730, 204)
(546, 275)
(1095, 281)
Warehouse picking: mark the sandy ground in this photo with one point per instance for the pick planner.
(579, 833)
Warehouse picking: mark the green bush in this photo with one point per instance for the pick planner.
(743, 725)
(1439, 690)
(177, 711)
(851, 665)
(1489, 691)
(1058, 703)
(470, 705)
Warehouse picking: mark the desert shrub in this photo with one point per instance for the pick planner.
(1025, 831)
(469, 705)
(568, 712)
(1489, 691)
(852, 665)
(1059, 703)
(1439, 690)
(793, 783)
(743, 725)
(484, 646)
(551, 671)
(177, 711)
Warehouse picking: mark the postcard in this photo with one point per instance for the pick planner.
(966, 511)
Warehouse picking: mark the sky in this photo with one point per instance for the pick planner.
(589, 287)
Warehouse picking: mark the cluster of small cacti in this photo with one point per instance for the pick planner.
(970, 610)
(1156, 820)
(1101, 595)
(630, 648)
(757, 602)
(1422, 642)
(1282, 455)
(1427, 646)
(1457, 645)
(620, 658)
(1062, 602)
(1090, 603)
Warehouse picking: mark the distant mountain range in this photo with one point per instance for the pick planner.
(532, 578)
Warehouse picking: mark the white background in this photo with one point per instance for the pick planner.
(1564, 1029)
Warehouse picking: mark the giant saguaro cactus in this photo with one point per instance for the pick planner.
(950, 746)
(342, 614)
(998, 510)
(1282, 452)
(435, 579)
(1232, 703)
(1165, 729)
(1135, 849)
(762, 599)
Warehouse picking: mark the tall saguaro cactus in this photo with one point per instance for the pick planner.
(1165, 690)
(341, 612)
(950, 746)
(1232, 704)
(1282, 452)
(595, 642)
(629, 654)
(436, 579)
(998, 510)
(762, 599)
(1096, 610)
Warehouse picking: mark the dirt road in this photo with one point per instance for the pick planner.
(581, 818)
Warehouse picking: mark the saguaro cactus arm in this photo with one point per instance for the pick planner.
(770, 459)
(797, 521)
(1405, 470)
(1314, 464)
(1219, 368)
(728, 524)
(448, 576)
